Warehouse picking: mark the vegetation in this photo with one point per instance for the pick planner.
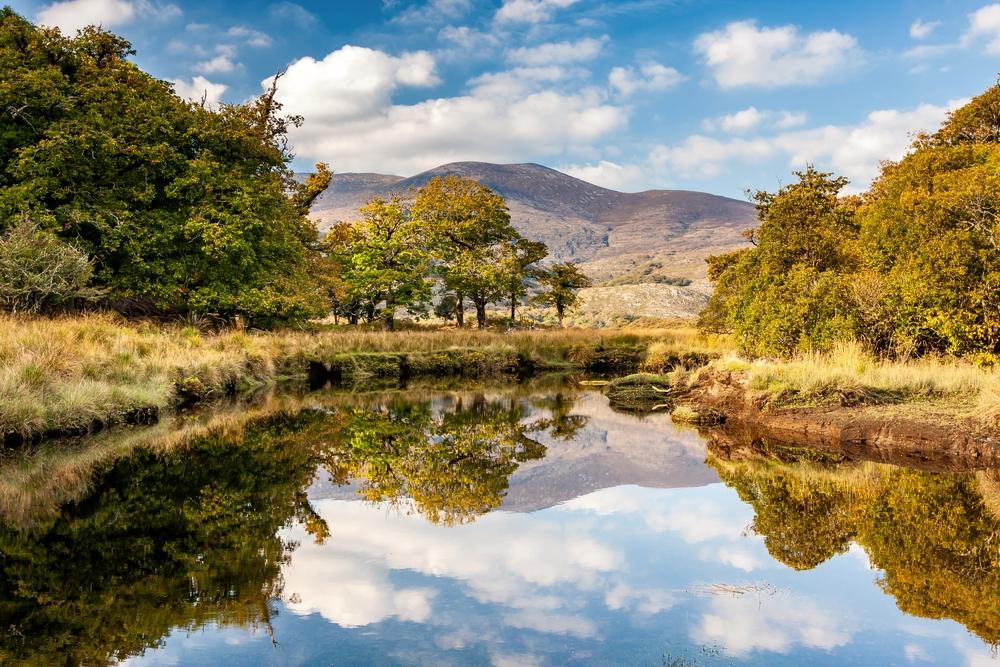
(180, 208)
(59, 374)
(457, 233)
(931, 535)
(560, 284)
(910, 267)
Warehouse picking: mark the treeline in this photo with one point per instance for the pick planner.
(114, 190)
(455, 238)
(910, 267)
(109, 180)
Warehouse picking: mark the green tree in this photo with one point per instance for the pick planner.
(383, 259)
(469, 226)
(181, 207)
(560, 284)
(519, 260)
(930, 237)
(38, 271)
(789, 291)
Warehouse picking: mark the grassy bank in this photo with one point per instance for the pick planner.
(78, 373)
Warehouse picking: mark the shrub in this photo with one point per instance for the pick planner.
(38, 271)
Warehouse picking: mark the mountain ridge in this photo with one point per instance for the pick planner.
(646, 237)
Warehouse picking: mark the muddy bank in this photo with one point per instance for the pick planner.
(920, 435)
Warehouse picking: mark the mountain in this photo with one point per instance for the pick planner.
(649, 238)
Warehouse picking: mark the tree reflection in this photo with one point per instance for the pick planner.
(161, 541)
(453, 466)
(933, 535)
(192, 535)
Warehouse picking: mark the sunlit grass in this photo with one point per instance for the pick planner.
(853, 376)
(68, 373)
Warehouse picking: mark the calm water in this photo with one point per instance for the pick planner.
(474, 528)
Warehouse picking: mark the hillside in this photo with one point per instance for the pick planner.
(631, 238)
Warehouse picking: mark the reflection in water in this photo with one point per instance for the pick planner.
(935, 537)
(478, 528)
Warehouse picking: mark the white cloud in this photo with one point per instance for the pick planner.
(250, 36)
(651, 76)
(72, 15)
(607, 174)
(294, 14)
(220, 64)
(752, 118)
(353, 123)
(742, 54)
(985, 23)
(854, 151)
(467, 38)
(556, 53)
(530, 11)
(920, 29)
(199, 88)
(741, 625)
(434, 11)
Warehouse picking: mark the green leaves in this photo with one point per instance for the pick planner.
(182, 208)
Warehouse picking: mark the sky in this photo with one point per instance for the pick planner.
(632, 95)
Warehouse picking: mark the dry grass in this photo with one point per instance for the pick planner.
(59, 374)
(851, 376)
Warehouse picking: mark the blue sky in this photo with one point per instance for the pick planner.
(715, 96)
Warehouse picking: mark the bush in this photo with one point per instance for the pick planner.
(39, 272)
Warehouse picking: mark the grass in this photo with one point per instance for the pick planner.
(848, 376)
(74, 373)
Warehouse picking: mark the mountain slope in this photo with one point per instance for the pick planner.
(643, 237)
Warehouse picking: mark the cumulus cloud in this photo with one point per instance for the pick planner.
(198, 89)
(220, 64)
(530, 11)
(854, 151)
(607, 174)
(553, 53)
(743, 54)
(250, 36)
(985, 23)
(72, 15)
(651, 76)
(920, 29)
(353, 122)
(741, 625)
(752, 118)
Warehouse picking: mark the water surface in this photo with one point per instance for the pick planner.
(506, 527)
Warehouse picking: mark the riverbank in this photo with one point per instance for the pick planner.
(75, 375)
(927, 412)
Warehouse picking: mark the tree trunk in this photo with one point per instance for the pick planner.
(481, 314)
(460, 309)
(353, 317)
(559, 314)
(389, 321)
(513, 308)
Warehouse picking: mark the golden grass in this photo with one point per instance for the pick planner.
(852, 376)
(59, 374)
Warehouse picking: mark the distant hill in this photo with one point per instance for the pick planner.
(632, 238)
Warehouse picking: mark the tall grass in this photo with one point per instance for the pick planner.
(850, 375)
(59, 374)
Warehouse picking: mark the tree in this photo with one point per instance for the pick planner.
(789, 291)
(384, 260)
(469, 225)
(560, 283)
(181, 207)
(38, 271)
(518, 260)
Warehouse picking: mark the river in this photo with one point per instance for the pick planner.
(474, 526)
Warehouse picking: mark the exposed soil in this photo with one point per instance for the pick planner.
(923, 436)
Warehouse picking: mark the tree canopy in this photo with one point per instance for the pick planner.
(910, 266)
(180, 207)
